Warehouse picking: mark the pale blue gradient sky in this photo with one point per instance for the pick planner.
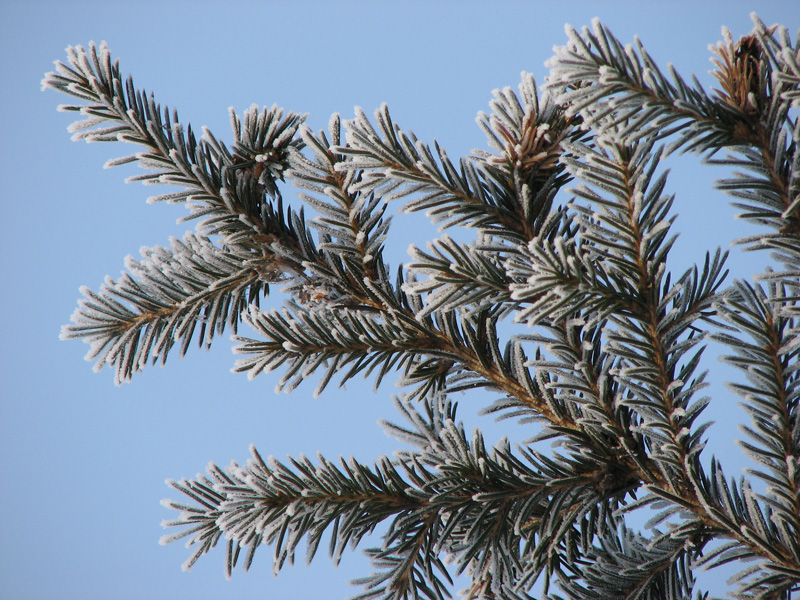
(83, 462)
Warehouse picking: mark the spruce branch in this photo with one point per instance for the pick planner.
(733, 511)
(755, 73)
(620, 91)
(332, 339)
(626, 565)
(193, 287)
(626, 223)
(451, 488)
(352, 224)
(355, 341)
(526, 131)
(651, 348)
(269, 502)
(770, 362)
(457, 275)
(225, 188)
(611, 369)
(609, 85)
(395, 164)
(579, 373)
(620, 245)
(196, 285)
(278, 261)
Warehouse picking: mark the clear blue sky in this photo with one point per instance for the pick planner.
(83, 462)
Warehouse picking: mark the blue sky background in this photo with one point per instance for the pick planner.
(83, 463)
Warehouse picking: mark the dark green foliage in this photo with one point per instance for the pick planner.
(608, 367)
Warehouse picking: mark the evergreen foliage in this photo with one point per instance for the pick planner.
(573, 224)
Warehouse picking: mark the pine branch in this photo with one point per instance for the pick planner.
(225, 188)
(458, 275)
(165, 298)
(622, 92)
(334, 339)
(351, 224)
(275, 504)
(627, 566)
(770, 361)
(395, 164)
(756, 76)
(579, 373)
(453, 488)
(611, 369)
(610, 84)
(734, 511)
